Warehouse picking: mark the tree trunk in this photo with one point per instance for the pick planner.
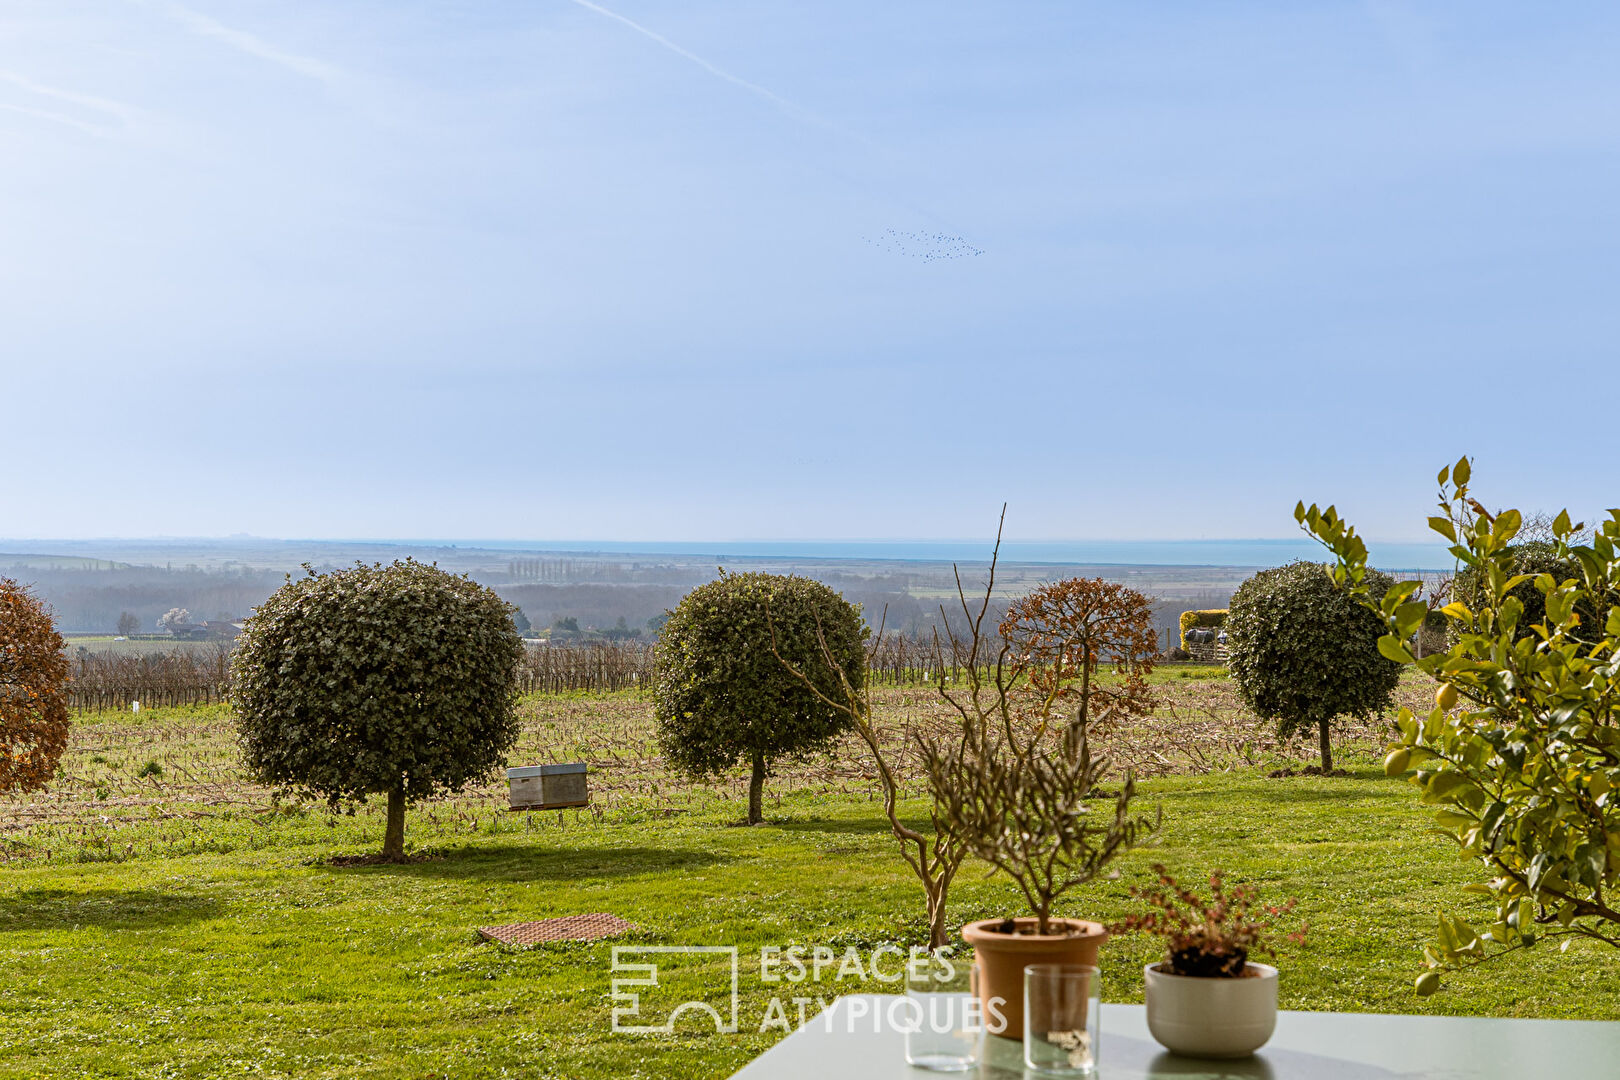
(939, 935)
(1327, 748)
(394, 839)
(756, 790)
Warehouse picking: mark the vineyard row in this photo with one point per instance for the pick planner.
(108, 680)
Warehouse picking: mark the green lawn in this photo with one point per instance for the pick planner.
(125, 955)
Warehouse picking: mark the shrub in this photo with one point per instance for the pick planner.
(33, 691)
(1063, 631)
(1532, 559)
(1206, 939)
(721, 695)
(1027, 807)
(397, 680)
(1211, 619)
(1303, 652)
(1521, 753)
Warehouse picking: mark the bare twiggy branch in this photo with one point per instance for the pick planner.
(934, 859)
(1000, 786)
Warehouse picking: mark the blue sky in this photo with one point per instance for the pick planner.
(524, 270)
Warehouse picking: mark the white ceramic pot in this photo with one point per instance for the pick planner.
(1212, 1018)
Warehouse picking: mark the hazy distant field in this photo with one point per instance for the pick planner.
(16, 563)
(90, 589)
(142, 647)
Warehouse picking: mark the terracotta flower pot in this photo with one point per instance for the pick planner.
(1212, 1018)
(1003, 957)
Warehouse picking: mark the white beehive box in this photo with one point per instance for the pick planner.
(547, 787)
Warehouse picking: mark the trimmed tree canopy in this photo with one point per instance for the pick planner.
(722, 695)
(33, 691)
(397, 679)
(1304, 651)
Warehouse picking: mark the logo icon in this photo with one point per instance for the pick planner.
(644, 979)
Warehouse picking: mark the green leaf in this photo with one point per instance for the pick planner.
(1444, 527)
(1392, 648)
(1409, 616)
(1453, 820)
(1506, 526)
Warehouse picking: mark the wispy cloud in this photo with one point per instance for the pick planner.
(858, 178)
(251, 44)
(89, 101)
(57, 118)
(798, 112)
(104, 107)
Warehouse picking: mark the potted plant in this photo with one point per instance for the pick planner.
(1026, 815)
(1206, 998)
(1017, 792)
(1006, 784)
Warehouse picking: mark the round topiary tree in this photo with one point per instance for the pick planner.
(1304, 651)
(723, 696)
(397, 680)
(33, 691)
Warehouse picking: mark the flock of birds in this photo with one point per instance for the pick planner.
(928, 247)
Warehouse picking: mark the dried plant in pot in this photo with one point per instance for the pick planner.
(1007, 784)
(1206, 998)
(1015, 781)
(1026, 812)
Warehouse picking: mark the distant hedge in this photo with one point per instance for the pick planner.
(1212, 618)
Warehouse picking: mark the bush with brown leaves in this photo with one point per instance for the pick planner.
(33, 691)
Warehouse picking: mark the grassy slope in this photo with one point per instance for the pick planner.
(257, 959)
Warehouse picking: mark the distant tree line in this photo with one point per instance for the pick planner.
(97, 602)
(581, 571)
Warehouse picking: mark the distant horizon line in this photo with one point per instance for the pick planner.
(1234, 553)
(465, 541)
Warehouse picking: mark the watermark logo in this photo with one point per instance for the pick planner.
(655, 987)
(644, 980)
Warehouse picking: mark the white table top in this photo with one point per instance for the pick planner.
(842, 1044)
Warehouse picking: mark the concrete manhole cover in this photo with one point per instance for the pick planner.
(567, 928)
